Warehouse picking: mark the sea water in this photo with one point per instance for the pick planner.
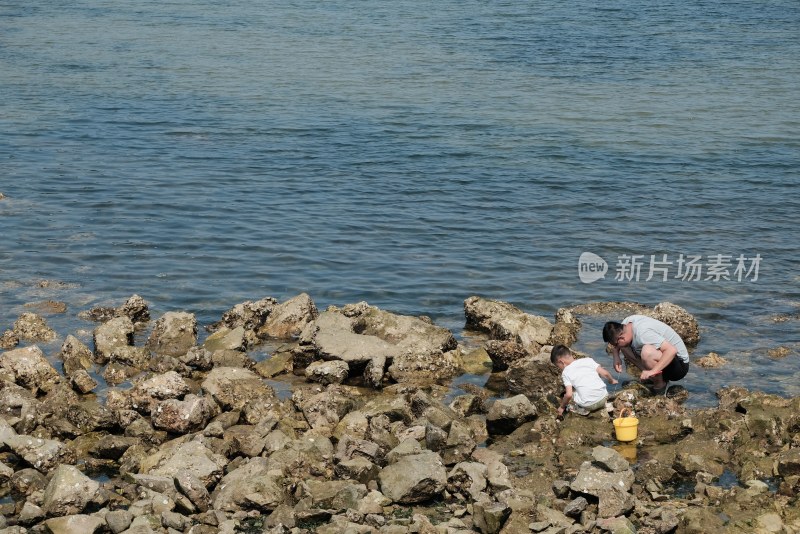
(409, 154)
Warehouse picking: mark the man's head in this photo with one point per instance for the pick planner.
(561, 356)
(618, 334)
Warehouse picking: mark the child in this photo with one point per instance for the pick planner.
(582, 379)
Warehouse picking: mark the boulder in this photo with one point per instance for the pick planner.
(144, 395)
(182, 416)
(68, 492)
(593, 480)
(614, 502)
(117, 332)
(324, 410)
(136, 309)
(249, 314)
(194, 489)
(30, 368)
(174, 333)
(467, 478)
(83, 381)
(506, 415)
(227, 339)
(711, 360)
(254, 485)
(191, 456)
(497, 473)
(414, 478)
(332, 372)
(130, 356)
(535, 376)
(75, 355)
(684, 323)
(74, 524)
(609, 459)
(505, 321)
(234, 388)
(32, 327)
(566, 328)
(504, 353)
(489, 517)
(289, 318)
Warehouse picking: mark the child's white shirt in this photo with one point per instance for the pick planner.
(587, 386)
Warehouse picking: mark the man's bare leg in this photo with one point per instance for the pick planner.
(650, 357)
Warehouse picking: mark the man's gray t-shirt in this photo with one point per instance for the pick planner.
(648, 331)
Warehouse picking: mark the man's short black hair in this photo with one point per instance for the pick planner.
(557, 352)
(611, 331)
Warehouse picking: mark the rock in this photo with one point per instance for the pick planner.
(27, 481)
(75, 355)
(30, 514)
(30, 368)
(505, 352)
(534, 376)
(116, 333)
(592, 480)
(42, 454)
(468, 478)
(191, 456)
(394, 407)
(189, 415)
(575, 507)
(174, 333)
(226, 339)
(193, 488)
(289, 318)
(8, 340)
(614, 502)
(502, 320)
(325, 409)
(136, 309)
(565, 331)
(489, 518)
(82, 381)
(711, 360)
(74, 524)
(333, 372)
(358, 469)
(255, 484)
(32, 327)
(788, 463)
(69, 491)
(250, 315)
(770, 522)
(233, 388)
(779, 352)
(506, 415)
(278, 364)
(144, 395)
(135, 357)
(684, 324)
(496, 471)
(617, 525)
(415, 478)
(118, 520)
(609, 459)
(459, 444)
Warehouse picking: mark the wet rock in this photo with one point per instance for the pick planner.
(82, 381)
(130, 356)
(8, 340)
(609, 459)
(506, 415)
(504, 321)
(136, 309)
(116, 333)
(289, 318)
(250, 315)
(182, 416)
(684, 323)
(254, 485)
(90, 415)
(278, 364)
(227, 339)
(711, 360)
(415, 478)
(33, 328)
(30, 368)
(332, 372)
(489, 517)
(534, 376)
(174, 333)
(69, 491)
(566, 328)
(145, 395)
(233, 388)
(191, 456)
(75, 355)
(779, 352)
(505, 352)
(466, 405)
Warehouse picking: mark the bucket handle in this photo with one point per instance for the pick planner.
(623, 410)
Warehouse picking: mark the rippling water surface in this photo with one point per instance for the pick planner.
(408, 154)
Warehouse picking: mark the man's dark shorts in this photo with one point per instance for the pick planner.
(676, 370)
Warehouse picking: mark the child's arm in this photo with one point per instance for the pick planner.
(565, 400)
(605, 374)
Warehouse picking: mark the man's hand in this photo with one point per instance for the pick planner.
(614, 381)
(647, 374)
(560, 411)
(617, 365)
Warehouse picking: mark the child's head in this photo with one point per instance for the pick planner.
(561, 356)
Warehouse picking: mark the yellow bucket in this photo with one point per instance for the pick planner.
(626, 427)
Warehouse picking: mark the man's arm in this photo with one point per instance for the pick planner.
(617, 360)
(668, 353)
(565, 400)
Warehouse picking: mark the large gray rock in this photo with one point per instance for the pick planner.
(489, 517)
(233, 388)
(415, 478)
(250, 315)
(324, 410)
(30, 368)
(173, 334)
(117, 332)
(506, 415)
(467, 478)
(75, 355)
(68, 492)
(32, 327)
(136, 309)
(497, 473)
(333, 372)
(609, 459)
(192, 456)
(254, 485)
(413, 348)
(182, 416)
(614, 502)
(683, 322)
(565, 331)
(74, 524)
(146, 394)
(505, 321)
(535, 376)
(594, 480)
(289, 318)
(42, 454)
(228, 339)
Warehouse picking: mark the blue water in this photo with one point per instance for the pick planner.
(408, 154)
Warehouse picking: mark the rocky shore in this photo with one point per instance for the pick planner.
(191, 437)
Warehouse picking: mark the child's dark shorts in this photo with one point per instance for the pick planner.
(676, 370)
